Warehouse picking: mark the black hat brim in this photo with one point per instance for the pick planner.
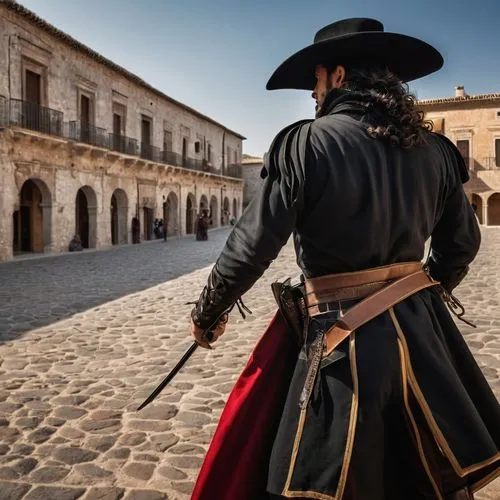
(407, 57)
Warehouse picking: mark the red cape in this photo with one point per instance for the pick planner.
(236, 463)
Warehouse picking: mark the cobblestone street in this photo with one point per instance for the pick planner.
(85, 337)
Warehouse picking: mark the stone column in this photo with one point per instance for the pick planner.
(92, 211)
(47, 226)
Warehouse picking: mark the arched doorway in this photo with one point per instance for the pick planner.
(190, 213)
(32, 221)
(86, 216)
(235, 208)
(171, 214)
(119, 209)
(225, 212)
(477, 201)
(494, 210)
(214, 212)
(203, 203)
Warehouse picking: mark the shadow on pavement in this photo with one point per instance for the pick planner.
(39, 292)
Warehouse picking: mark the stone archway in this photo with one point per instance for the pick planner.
(190, 213)
(119, 210)
(171, 214)
(214, 212)
(225, 212)
(235, 208)
(32, 221)
(494, 210)
(477, 203)
(86, 216)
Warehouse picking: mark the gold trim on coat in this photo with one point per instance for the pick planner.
(436, 431)
(351, 432)
(485, 480)
(414, 425)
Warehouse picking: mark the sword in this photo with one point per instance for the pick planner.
(208, 335)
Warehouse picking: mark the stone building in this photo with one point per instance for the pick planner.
(86, 146)
(473, 124)
(251, 168)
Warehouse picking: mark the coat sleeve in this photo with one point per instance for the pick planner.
(262, 230)
(456, 237)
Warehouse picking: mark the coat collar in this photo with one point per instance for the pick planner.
(342, 100)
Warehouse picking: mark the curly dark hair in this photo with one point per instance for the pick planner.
(405, 125)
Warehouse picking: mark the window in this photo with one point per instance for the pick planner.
(167, 141)
(146, 130)
(119, 119)
(209, 153)
(33, 87)
(497, 153)
(498, 115)
(197, 147)
(34, 77)
(463, 146)
(184, 150)
(146, 135)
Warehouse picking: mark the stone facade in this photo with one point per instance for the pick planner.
(473, 124)
(251, 168)
(85, 146)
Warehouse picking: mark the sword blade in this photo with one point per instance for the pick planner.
(170, 376)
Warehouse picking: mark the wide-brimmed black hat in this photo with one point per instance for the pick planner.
(354, 40)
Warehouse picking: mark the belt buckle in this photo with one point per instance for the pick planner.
(325, 307)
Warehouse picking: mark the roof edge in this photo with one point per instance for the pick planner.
(17, 8)
(459, 100)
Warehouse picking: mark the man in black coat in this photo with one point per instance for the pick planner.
(398, 408)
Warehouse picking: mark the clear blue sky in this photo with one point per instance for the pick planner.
(217, 55)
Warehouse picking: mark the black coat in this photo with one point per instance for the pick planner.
(354, 202)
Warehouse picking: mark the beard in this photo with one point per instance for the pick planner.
(321, 98)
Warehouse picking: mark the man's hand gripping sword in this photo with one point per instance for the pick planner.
(208, 336)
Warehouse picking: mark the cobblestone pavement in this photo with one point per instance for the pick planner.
(43, 290)
(69, 389)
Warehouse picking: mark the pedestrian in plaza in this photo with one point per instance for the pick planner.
(381, 398)
(202, 226)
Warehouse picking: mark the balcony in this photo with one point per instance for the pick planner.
(148, 152)
(484, 163)
(123, 144)
(234, 170)
(32, 116)
(88, 134)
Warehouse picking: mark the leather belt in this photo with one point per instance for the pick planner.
(354, 285)
(391, 285)
(374, 305)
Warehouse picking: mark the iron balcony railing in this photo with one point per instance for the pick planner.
(33, 116)
(177, 160)
(234, 170)
(149, 152)
(123, 144)
(171, 158)
(484, 163)
(88, 134)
